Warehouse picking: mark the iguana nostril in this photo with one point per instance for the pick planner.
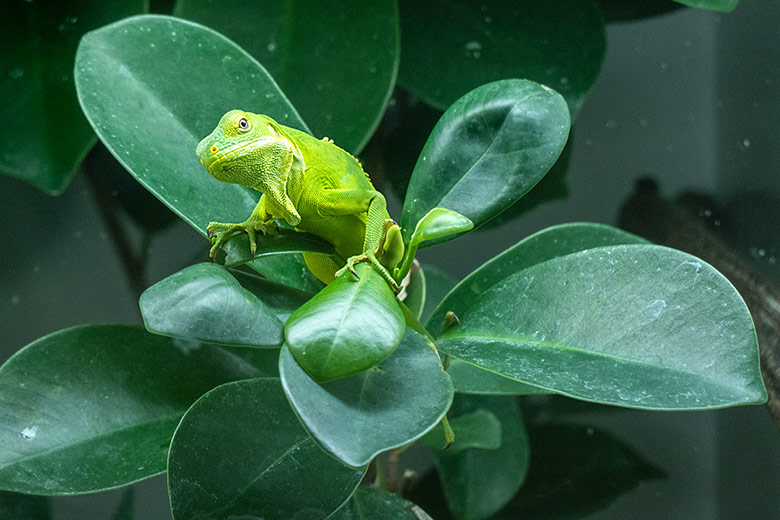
(214, 149)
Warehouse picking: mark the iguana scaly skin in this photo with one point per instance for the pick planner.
(310, 183)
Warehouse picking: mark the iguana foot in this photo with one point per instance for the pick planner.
(370, 258)
(220, 233)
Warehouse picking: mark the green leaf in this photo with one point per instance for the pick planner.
(470, 379)
(575, 471)
(205, 302)
(16, 506)
(370, 504)
(281, 299)
(94, 407)
(285, 241)
(348, 327)
(451, 47)
(288, 269)
(317, 56)
(487, 150)
(152, 87)
(44, 136)
(724, 6)
(240, 452)
(478, 429)
(479, 482)
(439, 223)
(544, 245)
(416, 292)
(640, 326)
(391, 405)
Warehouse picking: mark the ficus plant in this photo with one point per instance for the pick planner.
(263, 393)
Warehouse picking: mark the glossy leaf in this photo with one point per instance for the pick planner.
(439, 223)
(281, 299)
(641, 326)
(724, 6)
(544, 245)
(94, 407)
(358, 417)
(287, 269)
(205, 302)
(487, 150)
(470, 379)
(16, 506)
(289, 476)
(575, 471)
(317, 56)
(479, 482)
(348, 327)
(451, 47)
(285, 241)
(370, 503)
(176, 79)
(44, 136)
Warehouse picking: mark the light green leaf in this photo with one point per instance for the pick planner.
(545, 245)
(439, 223)
(44, 136)
(641, 326)
(391, 405)
(152, 87)
(487, 150)
(478, 482)
(289, 476)
(371, 504)
(317, 56)
(94, 407)
(348, 327)
(206, 303)
(724, 6)
(453, 46)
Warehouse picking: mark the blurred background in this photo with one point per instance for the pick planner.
(686, 108)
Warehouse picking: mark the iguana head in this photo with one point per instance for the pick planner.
(239, 145)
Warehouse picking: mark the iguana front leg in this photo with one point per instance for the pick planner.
(259, 220)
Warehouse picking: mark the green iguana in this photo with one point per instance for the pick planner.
(311, 183)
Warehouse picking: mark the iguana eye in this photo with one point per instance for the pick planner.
(243, 123)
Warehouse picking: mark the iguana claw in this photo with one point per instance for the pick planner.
(370, 258)
(221, 232)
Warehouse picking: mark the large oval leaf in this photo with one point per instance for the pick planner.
(390, 405)
(349, 326)
(94, 407)
(487, 150)
(152, 87)
(640, 326)
(281, 299)
(240, 452)
(205, 302)
(371, 503)
(544, 245)
(44, 136)
(318, 55)
(478, 482)
(451, 47)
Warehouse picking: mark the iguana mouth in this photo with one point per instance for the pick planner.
(219, 156)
